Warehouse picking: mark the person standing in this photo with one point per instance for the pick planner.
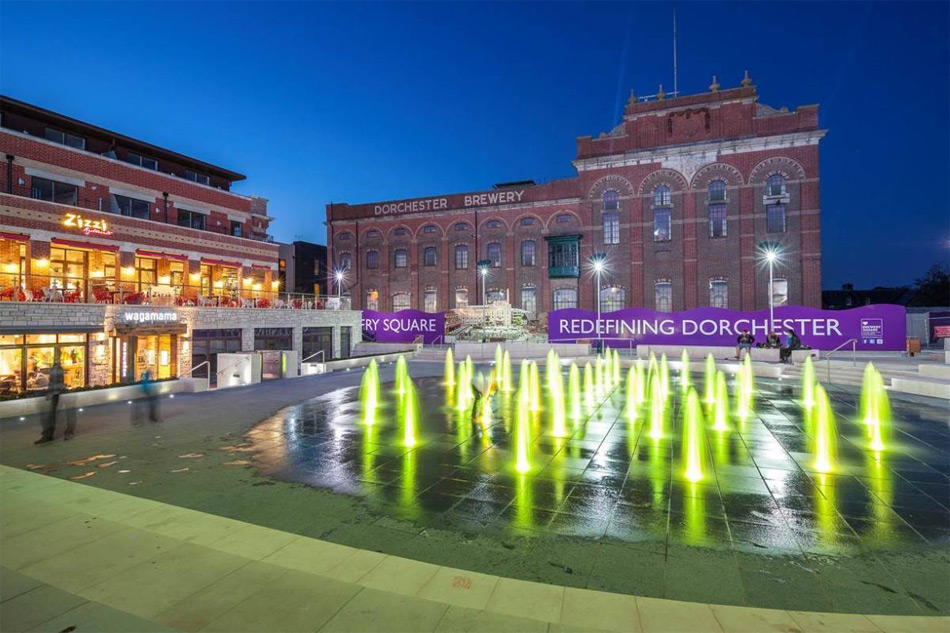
(57, 385)
(149, 399)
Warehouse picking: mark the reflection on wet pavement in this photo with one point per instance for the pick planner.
(761, 502)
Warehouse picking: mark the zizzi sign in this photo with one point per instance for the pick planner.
(439, 204)
(86, 225)
(145, 316)
(404, 326)
(877, 327)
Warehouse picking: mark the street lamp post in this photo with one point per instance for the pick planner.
(483, 266)
(598, 260)
(771, 251)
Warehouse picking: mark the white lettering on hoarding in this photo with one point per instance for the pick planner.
(150, 317)
(690, 327)
(439, 204)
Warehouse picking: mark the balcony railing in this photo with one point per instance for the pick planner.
(61, 289)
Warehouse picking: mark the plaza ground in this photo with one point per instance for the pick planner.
(170, 526)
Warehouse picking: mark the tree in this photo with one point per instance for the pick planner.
(933, 289)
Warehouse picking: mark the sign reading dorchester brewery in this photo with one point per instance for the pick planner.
(404, 326)
(877, 327)
(489, 198)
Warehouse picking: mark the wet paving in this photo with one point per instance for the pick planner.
(762, 527)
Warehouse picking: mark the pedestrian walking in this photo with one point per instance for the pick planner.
(57, 385)
(148, 400)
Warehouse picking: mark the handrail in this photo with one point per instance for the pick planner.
(319, 352)
(220, 370)
(190, 371)
(854, 361)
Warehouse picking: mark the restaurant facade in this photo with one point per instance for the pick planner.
(117, 255)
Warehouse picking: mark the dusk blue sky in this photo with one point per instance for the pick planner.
(320, 102)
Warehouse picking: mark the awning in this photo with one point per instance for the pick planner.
(17, 237)
(141, 252)
(220, 262)
(90, 245)
(52, 329)
(260, 267)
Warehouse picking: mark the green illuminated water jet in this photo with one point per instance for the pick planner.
(556, 400)
(588, 386)
(721, 406)
(709, 378)
(534, 385)
(693, 452)
(617, 368)
(522, 433)
(685, 382)
(402, 373)
(630, 392)
(808, 383)
(825, 436)
(369, 393)
(574, 392)
(409, 413)
(641, 392)
(499, 357)
(463, 396)
(657, 407)
(746, 388)
(876, 407)
(505, 381)
(449, 368)
(664, 376)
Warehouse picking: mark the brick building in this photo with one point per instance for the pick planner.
(682, 197)
(89, 216)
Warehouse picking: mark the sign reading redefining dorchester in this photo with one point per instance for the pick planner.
(510, 196)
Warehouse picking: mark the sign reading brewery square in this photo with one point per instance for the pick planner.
(404, 326)
(876, 327)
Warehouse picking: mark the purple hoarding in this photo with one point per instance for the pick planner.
(876, 327)
(404, 326)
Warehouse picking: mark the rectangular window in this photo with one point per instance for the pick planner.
(529, 299)
(662, 225)
(401, 258)
(528, 248)
(429, 256)
(131, 207)
(431, 303)
(563, 259)
(64, 138)
(400, 301)
(146, 273)
(611, 227)
(493, 251)
(775, 218)
(191, 219)
(718, 293)
(53, 191)
(461, 257)
(461, 297)
(237, 229)
(372, 300)
(196, 177)
(141, 161)
(372, 260)
(663, 296)
(565, 298)
(779, 292)
(717, 220)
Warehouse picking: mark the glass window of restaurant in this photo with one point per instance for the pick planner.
(26, 359)
(207, 344)
(316, 340)
(346, 335)
(146, 273)
(273, 338)
(67, 269)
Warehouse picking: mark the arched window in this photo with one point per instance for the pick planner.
(564, 218)
(493, 252)
(429, 256)
(461, 297)
(430, 228)
(612, 299)
(400, 231)
(611, 227)
(431, 300)
(527, 222)
(493, 224)
(401, 301)
(775, 185)
(345, 235)
(718, 293)
(496, 294)
(662, 196)
(565, 298)
(372, 234)
(400, 258)
(461, 256)
(717, 191)
(663, 295)
(345, 261)
(461, 226)
(528, 249)
(611, 201)
(372, 259)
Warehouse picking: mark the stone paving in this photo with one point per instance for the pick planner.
(196, 460)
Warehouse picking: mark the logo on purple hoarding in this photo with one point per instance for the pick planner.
(404, 326)
(877, 327)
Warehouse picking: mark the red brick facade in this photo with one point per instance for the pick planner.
(723, 137)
